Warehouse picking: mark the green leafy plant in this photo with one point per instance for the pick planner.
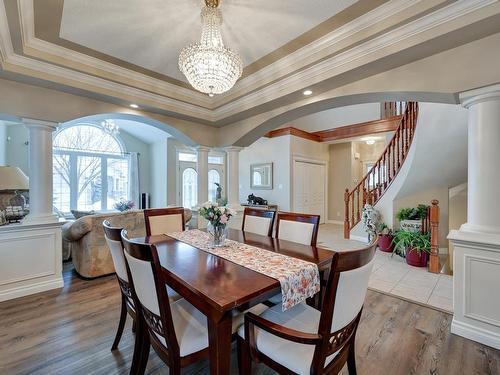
(415, 241)
(382, 228)
(413, 213)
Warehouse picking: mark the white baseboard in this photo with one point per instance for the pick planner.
(475, 333)
(33, 288)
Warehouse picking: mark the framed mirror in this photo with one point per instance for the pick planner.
(261, 176)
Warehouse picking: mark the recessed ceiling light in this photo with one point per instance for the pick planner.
(134, 106)
(370, 142)
(307, 92)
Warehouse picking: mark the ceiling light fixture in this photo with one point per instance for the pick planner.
(110, 127)
(307, 92)
(370, 141)
(134, 105)
(208, 65)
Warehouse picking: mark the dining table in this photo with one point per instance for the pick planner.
(220, 288)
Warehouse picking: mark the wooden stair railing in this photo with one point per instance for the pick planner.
(378, 179)
(431, 224)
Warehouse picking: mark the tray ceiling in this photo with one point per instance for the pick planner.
(151, 33)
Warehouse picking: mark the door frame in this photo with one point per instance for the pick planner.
(304, 159)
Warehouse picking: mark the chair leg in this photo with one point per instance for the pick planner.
(244, 360)
(144, 353)
(351, 359)
(121, 324)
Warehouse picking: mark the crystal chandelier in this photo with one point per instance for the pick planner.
(209, 66)
(110, 127)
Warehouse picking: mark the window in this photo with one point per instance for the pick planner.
(215, 159)
(90, 170)
(213, 177)
(189, 188)
(184, 156)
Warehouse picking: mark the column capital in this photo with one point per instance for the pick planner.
(40, 124)
(483, 94)
(233, 148)
(202, 148)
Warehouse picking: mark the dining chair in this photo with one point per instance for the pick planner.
(258, 221)
(112, 236)
(164, 220)
(303, 340)
(114, 242)
(176, 330)
(295, 227)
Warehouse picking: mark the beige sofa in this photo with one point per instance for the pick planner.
(89, 251)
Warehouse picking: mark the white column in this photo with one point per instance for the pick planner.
(202, 166)
(477, 244)
(40, 178)
(233, 176)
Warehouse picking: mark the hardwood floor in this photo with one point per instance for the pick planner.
(71, 332)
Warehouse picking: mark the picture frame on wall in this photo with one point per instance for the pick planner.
(261, 176)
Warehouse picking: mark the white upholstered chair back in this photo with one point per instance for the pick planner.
(116, 250)
(295, 231)
(257, 224)
(144, 283)
(163, 224)
(351, 292)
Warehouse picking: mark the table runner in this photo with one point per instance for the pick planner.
(298, 278)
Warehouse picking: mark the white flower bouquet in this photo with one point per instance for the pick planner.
(218, 217)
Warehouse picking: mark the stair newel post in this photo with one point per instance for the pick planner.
(434, 266)
(347, 228)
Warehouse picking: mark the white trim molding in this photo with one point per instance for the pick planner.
(475, 286)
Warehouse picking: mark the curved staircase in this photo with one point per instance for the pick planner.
(378, 179)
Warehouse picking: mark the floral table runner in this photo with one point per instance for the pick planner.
(298, 279)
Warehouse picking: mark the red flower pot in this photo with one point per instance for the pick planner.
(385, 243)
(413, 258)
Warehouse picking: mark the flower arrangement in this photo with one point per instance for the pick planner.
(218, 217)
(370, 219)
(215, 214)
(124, 205)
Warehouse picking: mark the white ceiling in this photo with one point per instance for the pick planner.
(151, 33)
(144, 132)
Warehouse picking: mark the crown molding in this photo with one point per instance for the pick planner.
(400, 38)
(480, 95)
(392, 41)
(30, 41)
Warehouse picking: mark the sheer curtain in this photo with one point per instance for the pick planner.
(133, 178)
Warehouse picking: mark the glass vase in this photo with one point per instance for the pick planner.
(218, 233)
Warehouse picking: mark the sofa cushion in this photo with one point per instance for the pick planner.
(78, 214)
(74, 230)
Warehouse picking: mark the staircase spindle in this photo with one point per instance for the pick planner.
(358, 212)
(347, 228)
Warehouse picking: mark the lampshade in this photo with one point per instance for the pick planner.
(13, 178)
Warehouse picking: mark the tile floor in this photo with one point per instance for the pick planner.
(393, 276)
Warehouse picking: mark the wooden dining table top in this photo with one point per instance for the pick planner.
(207, 279)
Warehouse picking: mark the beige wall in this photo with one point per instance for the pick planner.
(367, 154)
(425, 197)
(457, 212)
(339, 177)
(22, 100)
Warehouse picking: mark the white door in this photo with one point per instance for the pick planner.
(309, 189)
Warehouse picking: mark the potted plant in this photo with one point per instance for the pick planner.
(385, 238)
(414, 246)
(410, 219)
(370, 218)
